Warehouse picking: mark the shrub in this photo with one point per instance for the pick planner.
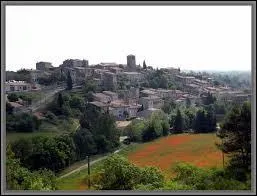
(13, 97)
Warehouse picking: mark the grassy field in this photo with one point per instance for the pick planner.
(197, 149)
(164, 153)
(46, 129)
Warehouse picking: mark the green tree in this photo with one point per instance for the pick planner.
(20, 178)
(9, 108)
(178, 123)
(144, 65)
(200, 122)
(85, 143)
(119, 174)
(188, 102)
(13, 97)
(235, 133)
(69, 81)
(60, 100)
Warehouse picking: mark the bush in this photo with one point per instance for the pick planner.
(13, 97)
(23, 122)
(206, 179)
(119, 174)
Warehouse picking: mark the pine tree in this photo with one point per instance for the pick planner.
(178, 122)
(60, 100)
(144, 65)
(69, 81)
(235, 133)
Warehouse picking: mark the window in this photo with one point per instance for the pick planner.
(12, 88)
(24, 88)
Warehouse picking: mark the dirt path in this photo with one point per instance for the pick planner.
(91, 163)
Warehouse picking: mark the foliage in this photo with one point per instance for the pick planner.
(41, 152)
(102, 126)
(13, 97)
(23, 122)
(144, 65)
(169, 106)
(60, 100)
(20, 178)
(118, 173)
(9, 108)
(178, 123)
(190, 177)
(210, 99)
(235, 133)
(85, 144)
(157, 125)
(69, 81)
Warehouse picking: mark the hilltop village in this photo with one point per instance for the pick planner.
(124, 88)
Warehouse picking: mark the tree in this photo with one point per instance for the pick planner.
(119, 174)
(211, 118)
(178, 123)
(69, 81)
(200, 123)
(210, 99)
(144, 65)
(60, 100)
(9, 108)
(85, 143)
(20, 178)
(188, 102)
(235, 133)
(13, 97)
(76, 102)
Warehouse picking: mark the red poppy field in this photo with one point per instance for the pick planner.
(197, 149)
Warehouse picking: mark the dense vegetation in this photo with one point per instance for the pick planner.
(117, 173)
(146, 130)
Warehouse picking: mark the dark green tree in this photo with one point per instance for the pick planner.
(13, 97)
(60, 100)
(69, 81)
(178, 122)
(200, 123)
(144, 65)
(235, 133)
(85, 144)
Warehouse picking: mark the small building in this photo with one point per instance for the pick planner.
(101, 97)
(184, 79)
(151, 102)
(72, 63)
(147, 113)
(112, 95)
(44, 66)
(17, 86)
(148, 93)
(109, 81)
(102, 106)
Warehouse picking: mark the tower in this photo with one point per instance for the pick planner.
(131, 62)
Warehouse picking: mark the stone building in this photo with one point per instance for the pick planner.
(17, 86)
(131, 62)
(113, 95)
(151, 102)
(109, 81)
(44, 66)
(72, 63)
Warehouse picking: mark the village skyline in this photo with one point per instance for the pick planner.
(189, 37)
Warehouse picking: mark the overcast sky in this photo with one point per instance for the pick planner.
(189, 37)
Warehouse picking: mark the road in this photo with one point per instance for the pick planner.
(91, 163)
(47, 97)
